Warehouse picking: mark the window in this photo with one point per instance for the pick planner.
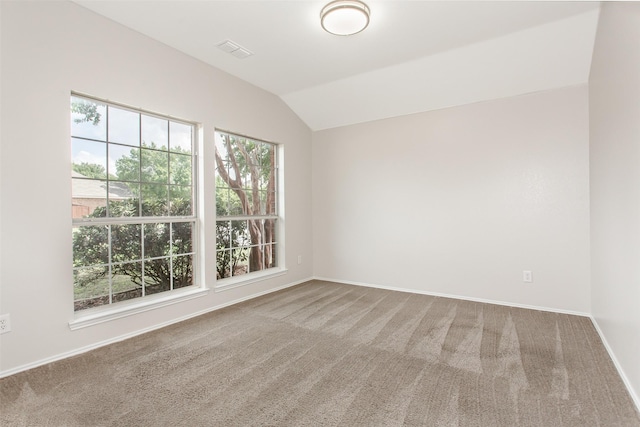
(133, 206)
(246, 206)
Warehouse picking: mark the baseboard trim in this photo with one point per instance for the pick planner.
(459, 297)
(625, 380)
(119, 338)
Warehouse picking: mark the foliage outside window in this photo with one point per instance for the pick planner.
(132, 203)
(246, 205)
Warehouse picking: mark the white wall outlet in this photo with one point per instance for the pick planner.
(527, 276)
(5, 323)
(299, 259)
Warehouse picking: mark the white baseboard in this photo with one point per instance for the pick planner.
(119, 338)
(625, 380)
(459, 297)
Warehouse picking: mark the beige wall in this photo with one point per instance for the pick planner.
(52, 48)
(614, 99)
(460, 201)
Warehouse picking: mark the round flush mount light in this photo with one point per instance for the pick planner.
(344, 17)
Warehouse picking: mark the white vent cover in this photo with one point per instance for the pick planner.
(234, 49)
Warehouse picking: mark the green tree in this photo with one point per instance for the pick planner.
(88, 109)
(156, 168)
(90, 170)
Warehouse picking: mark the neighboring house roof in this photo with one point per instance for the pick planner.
(86, 188)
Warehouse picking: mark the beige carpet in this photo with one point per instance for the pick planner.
(325, 354)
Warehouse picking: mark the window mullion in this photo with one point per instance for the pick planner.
(139, 164)
(142, 261)
(110, 261)
(132, 220)
(171, 255)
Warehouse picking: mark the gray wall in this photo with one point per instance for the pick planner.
(614, 98)
(460, 201)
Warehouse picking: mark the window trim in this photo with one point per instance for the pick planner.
(246, 279)
(106, 313)
(280, 269)
(115, 310)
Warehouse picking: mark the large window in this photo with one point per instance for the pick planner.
(246, 206)
(133, 204)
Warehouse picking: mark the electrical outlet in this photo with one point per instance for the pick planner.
(5, 323)
(527, 277)
(299, 259)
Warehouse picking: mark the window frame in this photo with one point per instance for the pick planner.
(115, 309)
(279, 269)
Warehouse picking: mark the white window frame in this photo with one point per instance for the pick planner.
(113, 310)
(279, 269)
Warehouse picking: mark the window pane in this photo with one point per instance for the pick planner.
(182, 237)
(154, 166)
(157, 276)
(223, 234)
(156, 240)
(126, 242)
(182, 271)
(223, 264)
(221, 146)
(222, 200)
(155, 199)
(155, 132)
(88, 119)
(123, 191)
(240, 235)
(124, 126)
(180, 169)
(235, 205)
(122, 200)
(240, 261)
(270, 253)
(180, 201)
(270, 231)
(126, 281)
(89, 159)
(90, 287)
(270, 202)
(233, 176)
(265, 182)
(90, 245)
(180, 137)
(247, 184)
(88, 198)
(124, 163)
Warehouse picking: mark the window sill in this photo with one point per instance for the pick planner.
(124, 309)
(226, 284)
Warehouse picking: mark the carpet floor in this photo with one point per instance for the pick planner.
(327, 354)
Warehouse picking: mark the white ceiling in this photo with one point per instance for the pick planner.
(414, 56)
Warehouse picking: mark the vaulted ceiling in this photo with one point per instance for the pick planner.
(415, 55)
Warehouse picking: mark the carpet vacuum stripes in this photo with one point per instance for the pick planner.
(327, 354)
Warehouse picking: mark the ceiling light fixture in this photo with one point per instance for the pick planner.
(344, 17)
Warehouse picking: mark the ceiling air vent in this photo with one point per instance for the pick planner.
(234, 49)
